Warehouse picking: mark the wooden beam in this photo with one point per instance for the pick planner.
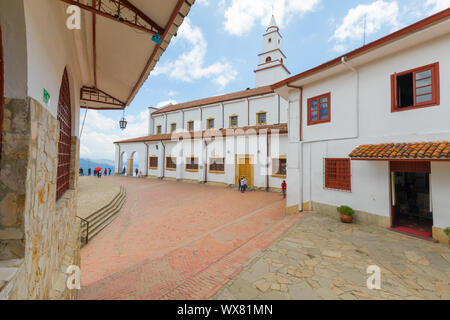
(143, 25)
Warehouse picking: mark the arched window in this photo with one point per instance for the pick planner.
(65, 137)
(268, 59)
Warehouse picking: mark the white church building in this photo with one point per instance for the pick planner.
(220, 139)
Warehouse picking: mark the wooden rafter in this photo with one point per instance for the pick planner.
(121, 11)
(98, 96)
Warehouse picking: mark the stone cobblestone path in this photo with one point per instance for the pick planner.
(179, 240)
(322, 258)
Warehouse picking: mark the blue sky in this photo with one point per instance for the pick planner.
(216, 50)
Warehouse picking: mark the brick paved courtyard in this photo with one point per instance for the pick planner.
(179, 240)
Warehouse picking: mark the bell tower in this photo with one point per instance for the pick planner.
(271, 65)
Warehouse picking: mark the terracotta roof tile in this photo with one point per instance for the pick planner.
(417, 150)
(280, 128)
(217, 99)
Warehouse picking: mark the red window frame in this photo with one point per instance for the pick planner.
(434, 84)
(337, 174)
(317, 98)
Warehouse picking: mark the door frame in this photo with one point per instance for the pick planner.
(238, 159)
(404, 166)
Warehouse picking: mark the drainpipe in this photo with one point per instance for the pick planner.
(223, 115)
(345, 63)
(182, 111)
(279, 117)
(205, 169)
(248, 112)
(146, 160)
(300, 90)
(163, 159)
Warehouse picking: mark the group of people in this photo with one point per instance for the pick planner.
(243, 186)
(97, 173)
(136, 171)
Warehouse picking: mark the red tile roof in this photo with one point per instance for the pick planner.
(251, 130)
(217, 99)
(412, 151)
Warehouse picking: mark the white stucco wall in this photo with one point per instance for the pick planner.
(440, 193)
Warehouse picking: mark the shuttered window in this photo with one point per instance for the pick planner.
(153, 163)
(65, 136)
(192, 164)
(171, 163)
(337, 174)
(217, 165)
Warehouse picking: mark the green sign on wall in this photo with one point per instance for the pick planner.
(46, 97)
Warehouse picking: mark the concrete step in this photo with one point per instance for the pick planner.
(98, 223)
(104, 216)
(111, 206)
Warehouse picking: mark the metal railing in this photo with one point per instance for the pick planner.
(84, 222)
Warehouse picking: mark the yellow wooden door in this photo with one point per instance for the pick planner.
(245, 170)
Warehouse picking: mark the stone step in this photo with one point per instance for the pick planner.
(106, 207)
(104, 216)
(111, 206)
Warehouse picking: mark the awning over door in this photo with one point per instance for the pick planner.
(423, 151)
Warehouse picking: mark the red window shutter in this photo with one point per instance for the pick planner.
(65, 137)
(337, 174)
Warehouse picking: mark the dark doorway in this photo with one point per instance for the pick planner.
(411, 199)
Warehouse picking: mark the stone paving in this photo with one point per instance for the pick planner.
(176, 240)
(95, 193)
(322, 258)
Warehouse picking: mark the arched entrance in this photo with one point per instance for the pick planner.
(65, 136)
(132, 162)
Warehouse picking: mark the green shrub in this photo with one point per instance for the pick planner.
(447, 231)
(346, 210)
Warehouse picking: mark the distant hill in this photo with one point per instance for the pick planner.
(85, 164)
(102, 163)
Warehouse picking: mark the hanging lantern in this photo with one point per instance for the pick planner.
(123, 122)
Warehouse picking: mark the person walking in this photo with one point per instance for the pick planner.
(241, 184)
(109, 173)
(124, 171)
(283, 188)
(89, 172)
(137, 171)
(105, 172)
(244, 183)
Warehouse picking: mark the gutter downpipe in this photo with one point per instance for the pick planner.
(146, 160)
(300, 90)
(345, 63)
(163, 160)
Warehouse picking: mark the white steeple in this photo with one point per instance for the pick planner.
(271, 68)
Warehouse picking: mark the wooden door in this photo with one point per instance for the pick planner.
(244, 168)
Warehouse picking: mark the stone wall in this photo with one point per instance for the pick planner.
(13, 173)
(49, 226)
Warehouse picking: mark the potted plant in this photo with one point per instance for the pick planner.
(447, 232)
(346, 214)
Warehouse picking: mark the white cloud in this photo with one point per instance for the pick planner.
(165, 103)
(190, 65)
(100, 132)
(241, 15)
(378, 14)
(434, 6)
(203, 2)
